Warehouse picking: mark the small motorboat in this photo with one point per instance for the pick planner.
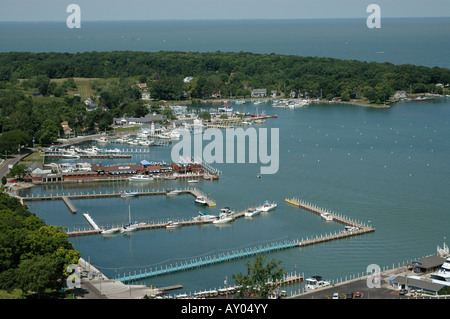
(128, 229)
(327, 216)
(252, 212)
(203, 216)
(173, 193)
(268, 206)
(173, 225)
(125, 194)
(201, 200)
(110, 231)
(140, 178)
(223, 219)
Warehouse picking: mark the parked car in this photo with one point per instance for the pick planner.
(336, 295)
(349, 295)
(357, 294)
(402, 292)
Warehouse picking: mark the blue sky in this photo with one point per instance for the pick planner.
(92, 10)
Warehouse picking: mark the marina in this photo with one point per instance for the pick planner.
(227, 216)
(310, 160)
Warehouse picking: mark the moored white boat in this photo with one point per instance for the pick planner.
(146, 143)
(267, 206)
(140, 178)
(443, 274)
(193, 181)
(203, 216)
(130, 227)
(173, 193)
(201, 200)
(223, 220)
(327, 216)
(315, 282)
(102, 140)
(252, 212)
(124, 194)
(173, 225)
(110, 231)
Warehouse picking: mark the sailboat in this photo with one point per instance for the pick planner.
(129, 227)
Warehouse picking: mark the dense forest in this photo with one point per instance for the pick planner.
(227, 72)
(214, 74)
(33, 256)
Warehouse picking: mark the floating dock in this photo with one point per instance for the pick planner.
(315, 209)
(66, 198)
(69, 204)
(91, 221)
(203, 262)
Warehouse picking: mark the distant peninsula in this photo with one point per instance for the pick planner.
(194, 75)
(44, 96)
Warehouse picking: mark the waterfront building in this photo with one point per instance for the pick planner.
(259, 92)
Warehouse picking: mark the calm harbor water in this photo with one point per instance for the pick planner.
(385, 167)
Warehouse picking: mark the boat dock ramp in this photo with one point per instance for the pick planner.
(91, 221)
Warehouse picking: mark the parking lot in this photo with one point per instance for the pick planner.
(358, 289)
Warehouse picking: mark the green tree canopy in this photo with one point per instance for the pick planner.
(11, 141)
(33, 256)
(261, 281)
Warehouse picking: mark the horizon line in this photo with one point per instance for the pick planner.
(221, 19)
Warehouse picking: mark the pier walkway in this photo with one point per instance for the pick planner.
(336, 217)
(67, 197)
(91, 221)
(158, 225)
(69, 205)
(209, 260)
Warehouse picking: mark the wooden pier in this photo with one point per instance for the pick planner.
(336, 217)
(67, 197)
(69, 204)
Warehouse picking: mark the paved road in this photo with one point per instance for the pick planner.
(11, 161)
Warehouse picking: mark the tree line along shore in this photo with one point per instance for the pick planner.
(39, 91)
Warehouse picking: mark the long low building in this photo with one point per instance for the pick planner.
(419, 284)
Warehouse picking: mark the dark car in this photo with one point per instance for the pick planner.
(349, 295)
(402, 292)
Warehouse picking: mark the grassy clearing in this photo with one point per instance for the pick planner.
(34, 157)
(84, 85)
